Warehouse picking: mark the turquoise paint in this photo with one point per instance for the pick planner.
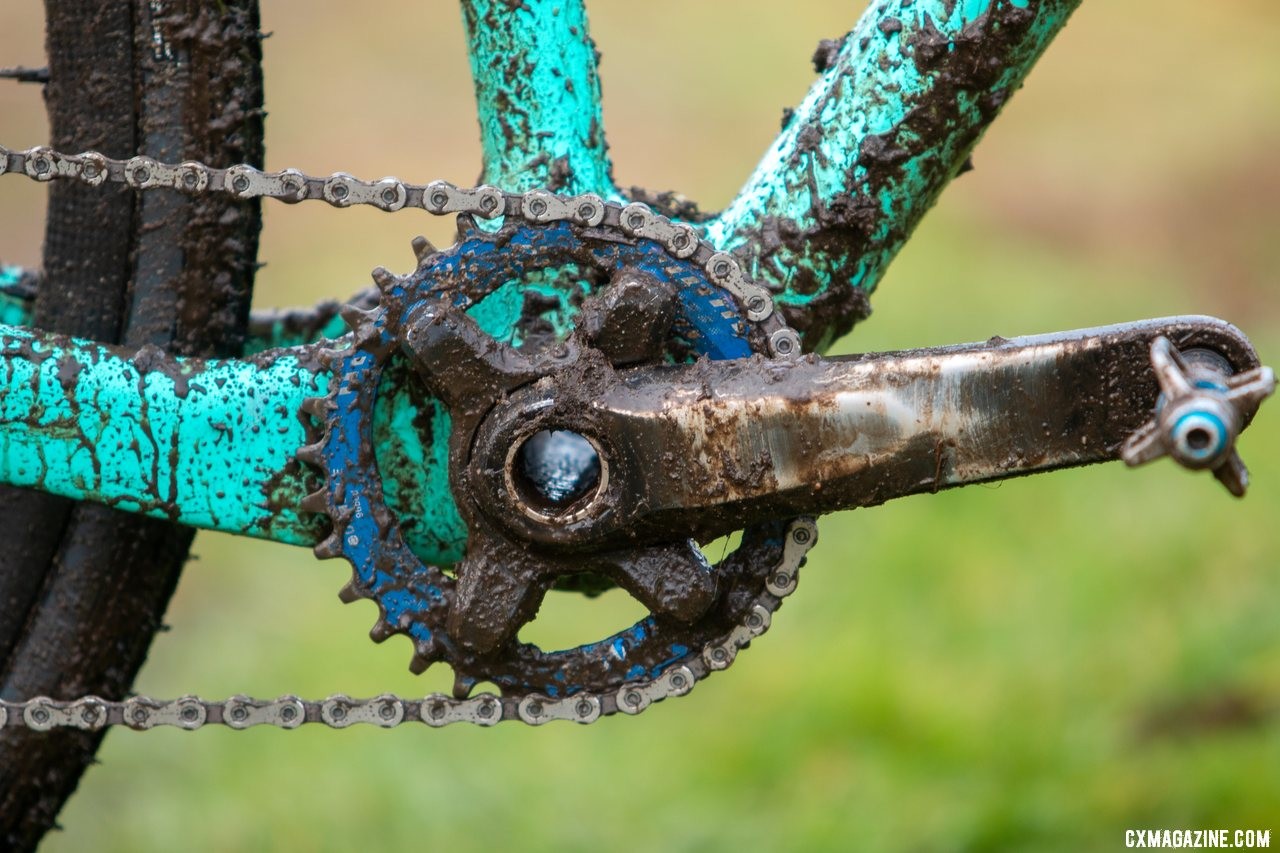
(537, 96)
(816, 165)
(561, 289)
(15, 307)
(411, 438)
(202, 443)
(14, 311)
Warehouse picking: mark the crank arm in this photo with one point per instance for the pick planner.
(705, 449)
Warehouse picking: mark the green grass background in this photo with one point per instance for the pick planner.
(1033, 666)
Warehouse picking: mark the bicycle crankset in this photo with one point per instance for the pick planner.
(464, 473)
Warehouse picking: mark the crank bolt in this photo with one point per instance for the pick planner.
(1199, 438)
(1202, 409)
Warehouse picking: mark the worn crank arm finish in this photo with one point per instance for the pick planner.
(705, 449)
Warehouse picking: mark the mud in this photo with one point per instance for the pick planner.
(670, 204)
(844, 229)
(83, 587)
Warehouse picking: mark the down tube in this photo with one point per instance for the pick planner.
(901, 102)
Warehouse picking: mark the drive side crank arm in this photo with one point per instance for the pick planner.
(704, 449)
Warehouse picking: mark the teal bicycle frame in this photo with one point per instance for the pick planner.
(898, 107)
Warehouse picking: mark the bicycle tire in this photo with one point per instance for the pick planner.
(84, 587)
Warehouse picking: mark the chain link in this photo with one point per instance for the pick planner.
(391, 194)
(636, 220)
(387, 711)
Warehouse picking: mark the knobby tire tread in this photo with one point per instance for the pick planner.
(83, 588)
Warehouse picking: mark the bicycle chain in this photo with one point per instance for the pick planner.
(438, 197)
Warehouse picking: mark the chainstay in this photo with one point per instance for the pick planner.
(91, 713)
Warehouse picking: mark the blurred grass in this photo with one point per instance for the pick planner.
(1037, 665)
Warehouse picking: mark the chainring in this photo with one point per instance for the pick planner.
(414, 598)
